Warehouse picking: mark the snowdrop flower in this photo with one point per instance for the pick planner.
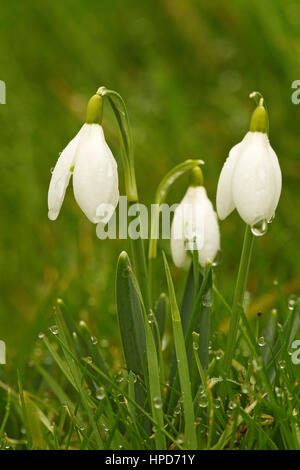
(95, 177)
(250, 180)
(195, 225)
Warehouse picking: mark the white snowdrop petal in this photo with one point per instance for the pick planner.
(277, 181)
(196, 227)
(225, 203)
(61, 176)
(95, 179)
(253, 185)
(178, 251)
(211, 243)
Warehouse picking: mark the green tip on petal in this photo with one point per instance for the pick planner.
(259, 120)
(94, 110)
(196, 177)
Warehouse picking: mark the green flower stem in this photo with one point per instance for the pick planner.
(238, 298)
(137, 246)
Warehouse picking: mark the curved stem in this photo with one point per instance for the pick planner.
(137, 246)
(238, 298)
(119, 108)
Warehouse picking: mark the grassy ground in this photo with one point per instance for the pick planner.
(185, 70)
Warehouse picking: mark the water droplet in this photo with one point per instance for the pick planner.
(203, 403)
(261, 341)
(51, 170)
(157, 402)
(180, 439)
(281, 364)
(133, 377)
(217, 402)
(177, 409)
(218, 258)
(232, 405)
(195, 345)
(94, 340)
(54, 329)
(41, 335)
(150, 318)
(120, 377)
(260, 228)
(270, 220)
(121, 398)
(219, 355)
(292, 301)
(207, 299)
(245, 389)
(100, 393)
(88, 359)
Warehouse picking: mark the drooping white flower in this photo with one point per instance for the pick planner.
(94, 169)
(194, 227)
(250, 180)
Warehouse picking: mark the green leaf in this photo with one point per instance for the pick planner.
(134, 294)
(130, 317)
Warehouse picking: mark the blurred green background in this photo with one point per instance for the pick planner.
(185, 69)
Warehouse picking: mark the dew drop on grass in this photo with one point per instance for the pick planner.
(41, 335)
(54, 329)
(94, 340)
(150, 318)
(195, 345)
(177, 409)
(261, 341)
(281, 364)
(232, 405)
(292, 301)
(219, 355)
(100, 393)
(207, 299)
(121, 399)
(260, 228)
(217, 402)
(180, 439)
(203, 403)
(157, 402)
(88, 359)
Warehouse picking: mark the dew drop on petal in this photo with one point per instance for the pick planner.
(259, 228)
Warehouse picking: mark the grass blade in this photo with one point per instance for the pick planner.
(182, 364)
